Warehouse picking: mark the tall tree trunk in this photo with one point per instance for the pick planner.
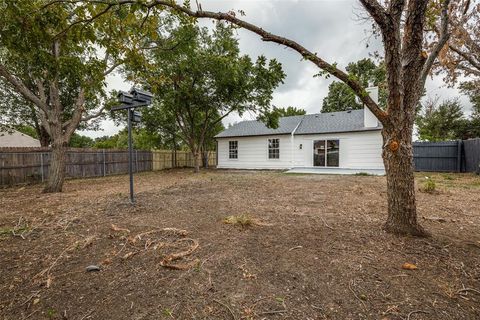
(56, 171)
(205, 157)
(398, 160)
(43, 137)
(196, 161)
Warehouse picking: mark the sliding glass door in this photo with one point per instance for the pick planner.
(326, 153)
(319, 153)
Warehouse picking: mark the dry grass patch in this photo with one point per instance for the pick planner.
(243, 220)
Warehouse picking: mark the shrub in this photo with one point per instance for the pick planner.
(243, 220)
(429, 186)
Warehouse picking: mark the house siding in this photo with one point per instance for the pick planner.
(358, 150)
(253, 153)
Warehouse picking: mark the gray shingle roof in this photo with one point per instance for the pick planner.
(256, 128)
(344, 121)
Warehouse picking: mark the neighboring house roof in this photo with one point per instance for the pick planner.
(17, 139)
(344, 121)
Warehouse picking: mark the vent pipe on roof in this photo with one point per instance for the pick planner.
(369, 119)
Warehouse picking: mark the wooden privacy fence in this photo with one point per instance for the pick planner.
(447, 156)
(29, 165)
(165, 159)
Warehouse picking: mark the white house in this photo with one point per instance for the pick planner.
(337, 142)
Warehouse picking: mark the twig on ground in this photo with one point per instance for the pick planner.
(467, 290)
(34, 294)
(326, 224)
(167, 261)
(30, 314)
(226, 306)
(415, 311)
(87, 315)
(272, 312)
(47, 270)
(294, 248)
(355, 294)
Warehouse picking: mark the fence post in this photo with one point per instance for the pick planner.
(41, 165)
(459, 155)
(136, 160)
(104, 164)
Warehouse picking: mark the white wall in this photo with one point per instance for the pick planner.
(358, 150)
(253, 153)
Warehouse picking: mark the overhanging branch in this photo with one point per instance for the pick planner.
(443, 38)
(269, 37)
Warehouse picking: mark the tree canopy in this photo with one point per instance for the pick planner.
(54, 59)
(440, 122)
(199, 78)
(341, 97)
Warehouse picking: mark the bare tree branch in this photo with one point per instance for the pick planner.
(22, 88)
(444, 36)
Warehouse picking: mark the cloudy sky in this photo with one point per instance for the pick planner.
(331, 28)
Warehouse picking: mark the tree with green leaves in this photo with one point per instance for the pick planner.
(56, 56)
(80, 141)
(440, 122)
(289, 111)
(199, 78)
(142, 140)
(271, 117)
(341, 97)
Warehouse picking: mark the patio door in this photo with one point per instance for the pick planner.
(326, 153)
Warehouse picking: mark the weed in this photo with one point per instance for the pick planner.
(429, 186)
(362, 174)
(168, 312)
(51, 313)
(242, 220)
(447, 176)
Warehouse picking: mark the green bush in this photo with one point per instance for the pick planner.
(429, 186)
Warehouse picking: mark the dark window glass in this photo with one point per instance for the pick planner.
(273, 148)
(326, 153)
(333, 150)
(319, 153)
(233, 149)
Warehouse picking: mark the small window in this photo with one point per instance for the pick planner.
(273, 148)
(233, 149)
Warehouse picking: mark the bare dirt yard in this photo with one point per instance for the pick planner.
(297, 247)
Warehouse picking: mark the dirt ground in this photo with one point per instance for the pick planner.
(314, 249)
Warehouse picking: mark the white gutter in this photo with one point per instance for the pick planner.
(292, 140)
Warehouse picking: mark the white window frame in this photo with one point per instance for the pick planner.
(231, 150)
(268, 149)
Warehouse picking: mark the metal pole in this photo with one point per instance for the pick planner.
(130, 154)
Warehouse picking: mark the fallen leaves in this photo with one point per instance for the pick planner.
(117, 229)
(409, 266)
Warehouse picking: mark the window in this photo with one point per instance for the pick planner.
(273, 148)
(233, 149)
(326, 153)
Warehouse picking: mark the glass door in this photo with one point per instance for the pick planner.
(326, 153)
(319, 153)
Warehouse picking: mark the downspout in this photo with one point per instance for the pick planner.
(292, 140)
